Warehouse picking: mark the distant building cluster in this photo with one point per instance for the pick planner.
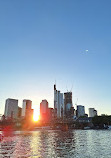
(13, 111)
(63, 108)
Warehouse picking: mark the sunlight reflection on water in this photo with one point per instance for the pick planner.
(55, 144)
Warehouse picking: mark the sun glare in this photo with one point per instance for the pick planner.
(36, 115)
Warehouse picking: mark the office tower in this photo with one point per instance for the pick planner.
(11, 108)
(68, 108)
(44, 110)
(80, 111)
(19, 112)
(26, 108)
(58, 103)
(92, 112)
(51, 113)
(68, 100)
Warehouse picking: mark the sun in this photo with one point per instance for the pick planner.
(36, 115)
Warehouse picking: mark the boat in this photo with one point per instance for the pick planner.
(86, 128)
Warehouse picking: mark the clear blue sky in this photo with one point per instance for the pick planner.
(46, 40)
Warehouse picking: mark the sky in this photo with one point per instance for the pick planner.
(62, 41)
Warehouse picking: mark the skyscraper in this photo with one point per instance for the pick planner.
(68, 108)
(58, 103)
(26, 108)
(92, 112)
(19, 112)
(44, 110)
(11, 108)
(80, 110)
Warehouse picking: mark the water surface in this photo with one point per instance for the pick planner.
(57, 144)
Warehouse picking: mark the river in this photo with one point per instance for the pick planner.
(57, 144)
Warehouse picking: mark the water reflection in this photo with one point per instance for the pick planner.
(57, 144)
(63, 143)
(36, 145)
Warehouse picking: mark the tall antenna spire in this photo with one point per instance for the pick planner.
(55, 85)
(55, 81)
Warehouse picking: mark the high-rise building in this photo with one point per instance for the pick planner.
(19, 112)
(11, 108)
(80, 111)
(68, 108)
(51, 113)
(26, 108)
(92, 112)
(68, 98)
(44, 110)
(58, 103)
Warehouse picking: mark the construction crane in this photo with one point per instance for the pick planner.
(76, 102)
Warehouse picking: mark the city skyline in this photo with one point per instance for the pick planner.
(63, 109)
(64, 99)
(67, 42)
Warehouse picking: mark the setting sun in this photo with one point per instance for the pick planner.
(36, 115)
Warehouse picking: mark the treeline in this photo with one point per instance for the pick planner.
(101, 121)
